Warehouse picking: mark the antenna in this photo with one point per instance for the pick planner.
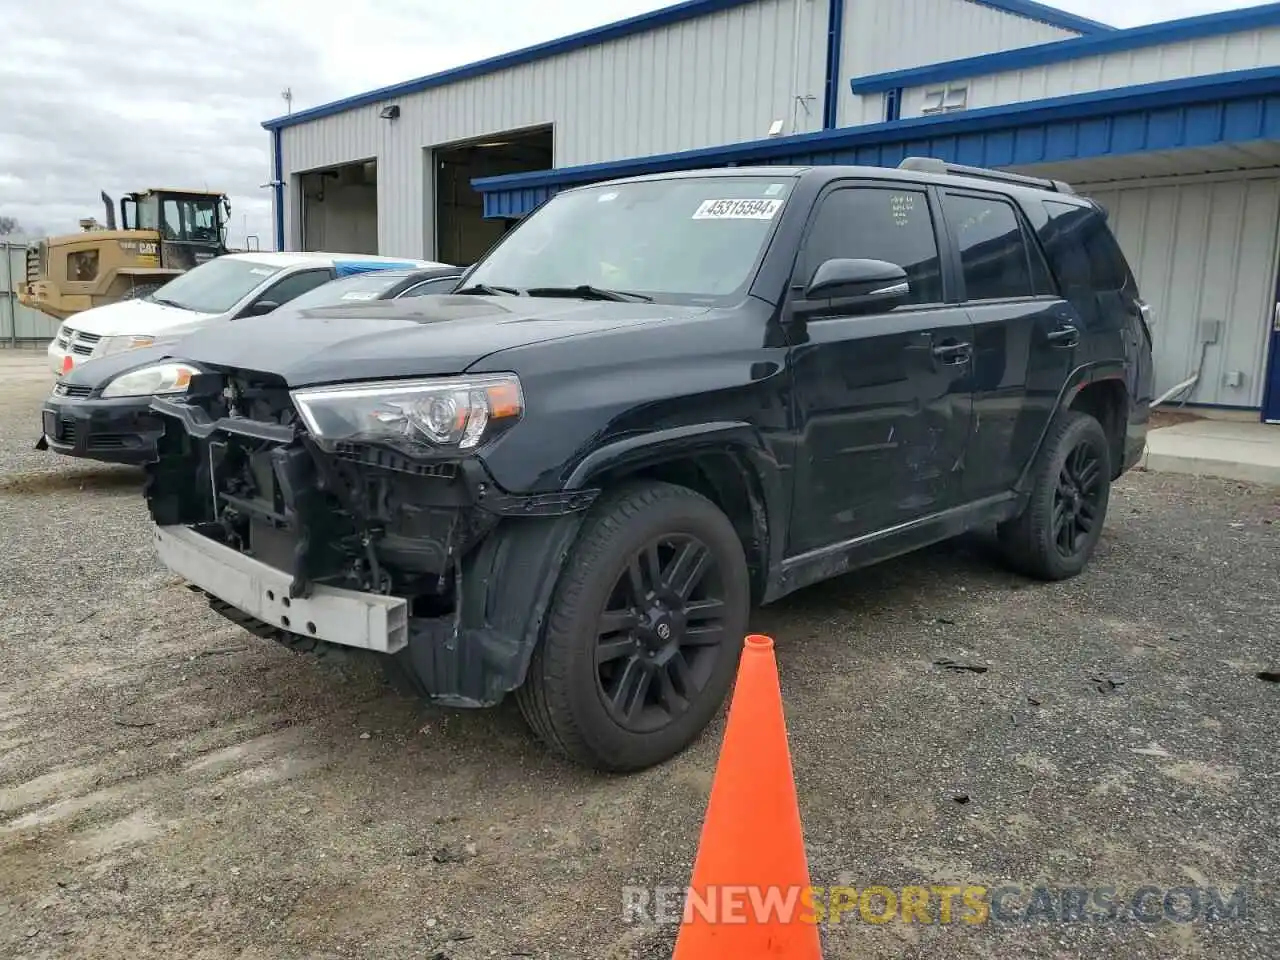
(287, 94)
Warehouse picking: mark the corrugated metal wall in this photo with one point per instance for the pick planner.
(1204, 250)
(883, 35)
(719, 79)
(19, 325)
(1173, 61)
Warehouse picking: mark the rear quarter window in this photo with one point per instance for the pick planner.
(1085, 258)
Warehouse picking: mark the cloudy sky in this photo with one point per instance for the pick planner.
(122, 94)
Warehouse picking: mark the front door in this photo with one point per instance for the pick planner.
(881, 401)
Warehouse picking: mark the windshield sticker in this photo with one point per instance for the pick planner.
(902, 207)
(360, 295)
(774, 190)
(261, 271)
(737, 210)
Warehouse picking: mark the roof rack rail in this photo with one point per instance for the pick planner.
(934, 165)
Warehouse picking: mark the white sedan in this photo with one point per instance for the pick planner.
(229, 287)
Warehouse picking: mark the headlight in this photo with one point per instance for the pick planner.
(110, 345)
(417, 417)
(148, 381)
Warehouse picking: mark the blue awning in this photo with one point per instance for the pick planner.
(1225, 108)
(349, 268)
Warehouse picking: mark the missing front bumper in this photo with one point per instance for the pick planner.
(368, 621)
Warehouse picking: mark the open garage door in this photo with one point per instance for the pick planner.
(340, 208)
(462, 233)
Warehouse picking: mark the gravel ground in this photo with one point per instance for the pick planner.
(171, 786)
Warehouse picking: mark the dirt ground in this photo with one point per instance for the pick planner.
(173, 787)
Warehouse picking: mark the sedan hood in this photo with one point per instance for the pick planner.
(422, 336)
(135, 318)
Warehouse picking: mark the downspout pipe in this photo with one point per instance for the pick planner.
(835, 45)
(277, 183)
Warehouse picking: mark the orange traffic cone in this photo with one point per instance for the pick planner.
(748, 893)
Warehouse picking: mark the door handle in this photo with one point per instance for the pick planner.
(952, 353)
(1067, 336)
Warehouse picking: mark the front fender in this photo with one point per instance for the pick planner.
(480, 653)
(756, 471)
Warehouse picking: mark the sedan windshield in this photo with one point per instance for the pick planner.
(215, 286)
(683, 239)
(364, 286)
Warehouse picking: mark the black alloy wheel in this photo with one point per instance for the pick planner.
(660, 633)
(1054, 536)
(644, 631)
(1078, 499)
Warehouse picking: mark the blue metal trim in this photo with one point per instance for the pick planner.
(1046, 14)
(835, 45)
(1191, 28)
(277, 185)
(1195, 112)
(689, 10)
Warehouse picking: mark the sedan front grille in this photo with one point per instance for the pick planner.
(63, 389)
(77, 341)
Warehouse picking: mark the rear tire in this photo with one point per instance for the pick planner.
(644, 632)
(1055, 536)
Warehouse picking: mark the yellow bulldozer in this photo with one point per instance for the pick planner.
(161, 233)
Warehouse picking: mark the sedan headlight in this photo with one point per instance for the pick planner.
(149, 381)
(416, 417)
(110, 345)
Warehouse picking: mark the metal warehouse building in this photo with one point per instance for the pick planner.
(1173, 127)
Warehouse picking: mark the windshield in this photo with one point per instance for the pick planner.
(215, 286)
(364, 286)
(692, 240)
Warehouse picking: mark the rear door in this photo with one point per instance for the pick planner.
(881, 400)
(1025, 336)
(1096, 279)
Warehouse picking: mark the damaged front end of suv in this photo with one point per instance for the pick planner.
(357, 517)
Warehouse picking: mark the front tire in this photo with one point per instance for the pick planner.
(644, 631)
(1056, 534)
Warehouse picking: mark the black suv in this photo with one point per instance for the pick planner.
(653, 404)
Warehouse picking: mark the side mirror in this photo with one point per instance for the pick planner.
(855, 286)
(260, 307)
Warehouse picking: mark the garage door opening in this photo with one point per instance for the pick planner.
(340, 208)
(462, 233)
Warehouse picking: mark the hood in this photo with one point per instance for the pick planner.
(135, 317)
(420, 336)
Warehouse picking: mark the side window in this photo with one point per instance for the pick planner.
(875, 223)
(443, 285)
(295, 285)
(993, 248)
(172, 224)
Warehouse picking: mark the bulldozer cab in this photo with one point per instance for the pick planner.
(161, 234)
(191, 225)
